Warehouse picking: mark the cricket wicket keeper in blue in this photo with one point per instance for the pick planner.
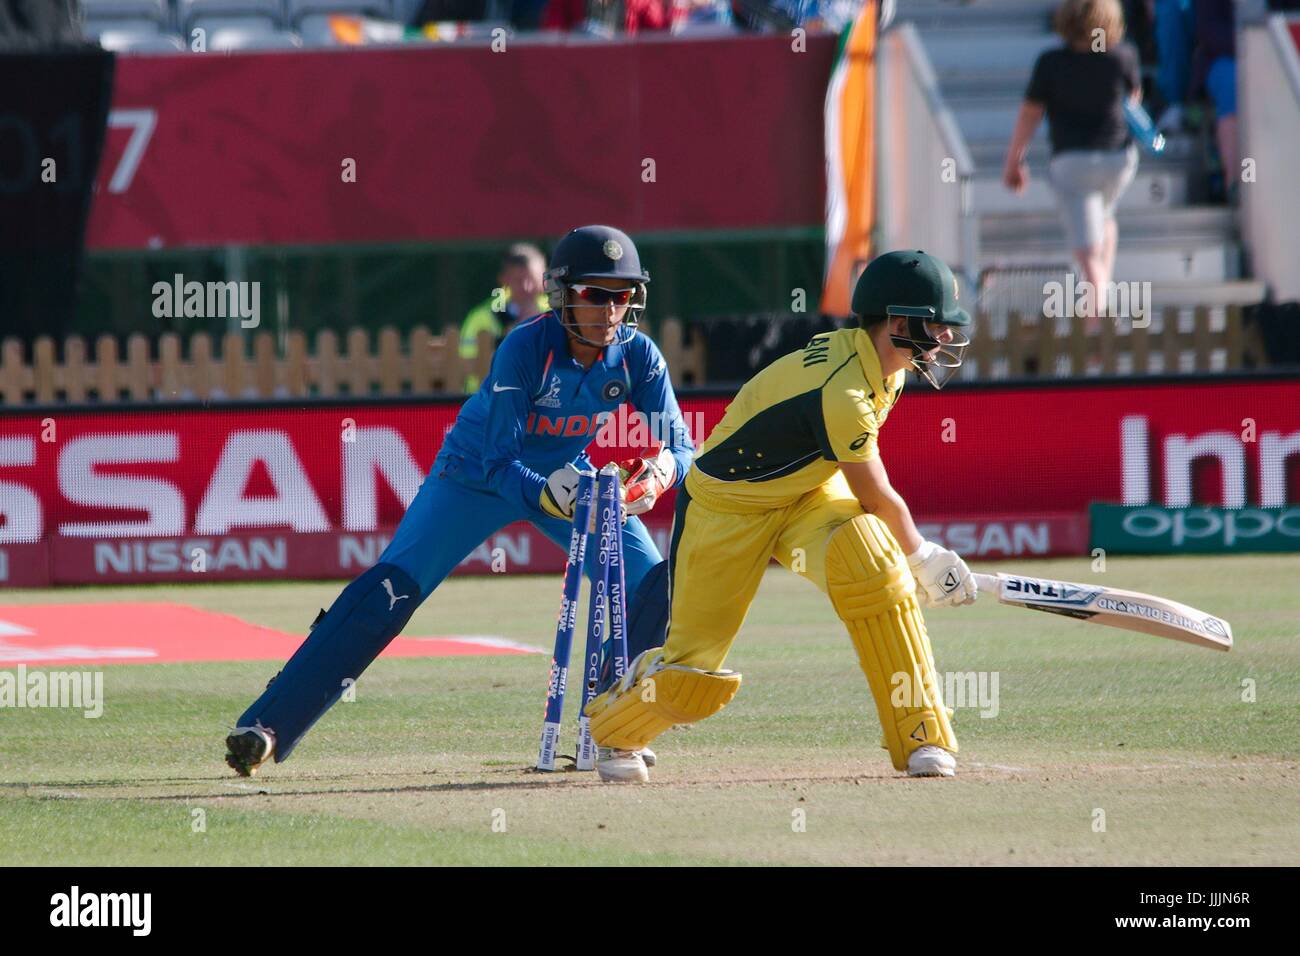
(514, 454)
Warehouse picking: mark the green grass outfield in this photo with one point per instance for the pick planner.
(429, 764)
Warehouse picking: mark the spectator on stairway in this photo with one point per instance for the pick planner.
(518, 295)
(1140, 32)
(815, 16)
(693, 15)
(1214, 70)
(607, 17)
(440, 11)
(1081, 87)
(1175, 34)
(522, 15)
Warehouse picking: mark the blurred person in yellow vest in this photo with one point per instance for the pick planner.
(518, 295)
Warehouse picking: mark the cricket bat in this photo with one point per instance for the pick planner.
(1129, 610)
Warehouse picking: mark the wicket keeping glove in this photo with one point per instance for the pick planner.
(942, 578)
(560, 492)
(645, 479)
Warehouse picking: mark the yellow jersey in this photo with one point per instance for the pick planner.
(789, 426)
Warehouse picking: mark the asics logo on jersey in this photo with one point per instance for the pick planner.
(392, 598)
(859, 441)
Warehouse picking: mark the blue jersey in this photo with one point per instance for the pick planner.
(539, 409)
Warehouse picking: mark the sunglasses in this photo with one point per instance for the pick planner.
(597, 295)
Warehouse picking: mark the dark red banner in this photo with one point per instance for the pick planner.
(313, 492)
(463, 143)
(221, 471)
(1059, 448)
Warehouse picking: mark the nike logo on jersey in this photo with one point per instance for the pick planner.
(504, 388)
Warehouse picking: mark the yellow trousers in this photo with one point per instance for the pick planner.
(718, 559)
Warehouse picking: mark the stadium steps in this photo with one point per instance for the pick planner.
(1190, 243)
(1161, 182)
(1004, 15)
(982, 53)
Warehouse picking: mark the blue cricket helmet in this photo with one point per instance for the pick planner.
(596, 252)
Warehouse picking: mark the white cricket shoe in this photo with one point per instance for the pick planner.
(621, 766)
(931, 761)
(648, 756)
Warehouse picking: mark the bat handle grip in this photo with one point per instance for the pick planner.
(988, 582)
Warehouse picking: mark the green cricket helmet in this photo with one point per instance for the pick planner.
(922, 289)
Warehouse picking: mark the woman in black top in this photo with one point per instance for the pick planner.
(1081, 86)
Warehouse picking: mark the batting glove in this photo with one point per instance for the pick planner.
(942, 578)
(645, 479)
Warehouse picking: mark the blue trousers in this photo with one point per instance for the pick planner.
(447, 520)
(444, 523)
(1175, 36)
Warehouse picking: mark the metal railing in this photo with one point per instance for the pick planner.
(1268, 66)
(925, 170)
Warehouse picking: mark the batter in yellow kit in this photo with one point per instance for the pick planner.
(793, 472)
